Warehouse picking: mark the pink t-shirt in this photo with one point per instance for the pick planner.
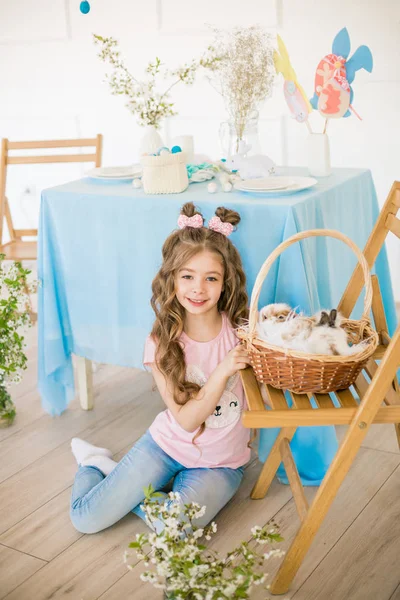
(224, 441)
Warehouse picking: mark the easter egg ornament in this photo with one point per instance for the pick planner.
(333, 92)
(163, 150)
(84, 7)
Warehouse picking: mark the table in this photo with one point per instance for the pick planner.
(100, 247)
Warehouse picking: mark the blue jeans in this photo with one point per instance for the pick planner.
(98, 502)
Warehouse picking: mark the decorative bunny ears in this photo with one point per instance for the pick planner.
(214, 223)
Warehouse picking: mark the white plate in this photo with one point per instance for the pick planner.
(275, 185)
(116, 173)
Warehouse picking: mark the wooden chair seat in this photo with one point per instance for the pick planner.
(20, 250)
(308, 409)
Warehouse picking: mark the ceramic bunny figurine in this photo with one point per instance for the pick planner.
(250, 167)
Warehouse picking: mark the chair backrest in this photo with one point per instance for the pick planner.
(6, 159)
(387, 222)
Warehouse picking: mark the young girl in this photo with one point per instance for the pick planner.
(199, 297)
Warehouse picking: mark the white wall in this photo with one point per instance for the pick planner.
(52, 81)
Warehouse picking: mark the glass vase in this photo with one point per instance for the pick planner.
(240, 136)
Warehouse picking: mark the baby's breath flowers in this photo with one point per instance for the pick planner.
(186, 569)
(14, 315)
(144, 100)
(244, 73)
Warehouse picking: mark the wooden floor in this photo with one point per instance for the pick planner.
(355, 556)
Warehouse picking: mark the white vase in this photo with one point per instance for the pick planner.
(319, 159)
(151, 141)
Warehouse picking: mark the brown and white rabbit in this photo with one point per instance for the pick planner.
(328, 337)
(280, 325)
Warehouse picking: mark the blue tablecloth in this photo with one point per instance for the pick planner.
(100, 247)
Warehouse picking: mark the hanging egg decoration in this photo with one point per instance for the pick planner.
(84, 7)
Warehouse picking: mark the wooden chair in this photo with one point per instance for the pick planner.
(17, 248)
(377, 401)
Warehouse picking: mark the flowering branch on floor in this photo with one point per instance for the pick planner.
(144, 100)
(186, 569)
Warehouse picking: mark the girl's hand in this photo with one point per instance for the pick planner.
(234, 361)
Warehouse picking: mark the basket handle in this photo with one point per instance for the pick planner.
(295, 238)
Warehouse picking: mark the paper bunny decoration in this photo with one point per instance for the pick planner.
(295, 96)
(333, 95)
(228, 409)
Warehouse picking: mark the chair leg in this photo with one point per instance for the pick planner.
(378, 312)
(85, 382)
(271, 464)
(316, 513)
(339, 468)
(393, 394)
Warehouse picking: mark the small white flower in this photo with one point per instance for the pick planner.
(198, 533)
(256, 529)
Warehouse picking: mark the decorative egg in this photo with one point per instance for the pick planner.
(212, 187)
(223, 178)
(227, 187)
(137, 183)
(163, 150)
(84, 7)
(176, 149)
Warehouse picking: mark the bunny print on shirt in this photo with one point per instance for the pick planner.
(229, 407)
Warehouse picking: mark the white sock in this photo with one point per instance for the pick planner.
(104, 463)
(82, 450)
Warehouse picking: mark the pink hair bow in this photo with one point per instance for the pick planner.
(195, 221)
(216, 224)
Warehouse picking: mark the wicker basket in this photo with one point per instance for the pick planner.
(298, 371)
(164, 174)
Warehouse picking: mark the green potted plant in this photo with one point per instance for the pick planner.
(14, 315)
(183, 567)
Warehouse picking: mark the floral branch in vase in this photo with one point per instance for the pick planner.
(244, 73)
(144, 100)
